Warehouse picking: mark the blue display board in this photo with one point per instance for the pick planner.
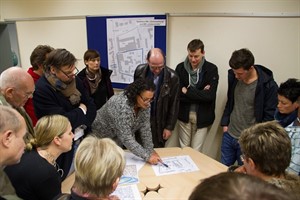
(123, 41)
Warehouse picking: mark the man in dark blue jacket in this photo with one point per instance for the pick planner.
(251, 98)
(59, 91)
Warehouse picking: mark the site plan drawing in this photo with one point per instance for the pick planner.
(128, 42)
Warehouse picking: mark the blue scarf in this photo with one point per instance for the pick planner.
(285, 119)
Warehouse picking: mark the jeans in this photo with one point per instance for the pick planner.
(230, 150)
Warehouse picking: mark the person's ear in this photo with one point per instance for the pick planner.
(115, 184)
(251, 163)
(8, 92)
(57, 140)
(6, 138)
(52, 70)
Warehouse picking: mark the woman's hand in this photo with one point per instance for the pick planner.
(154, 158)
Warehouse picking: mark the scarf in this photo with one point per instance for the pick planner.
(193, 75)
(93, 79)
(285, 119)
(68, 90)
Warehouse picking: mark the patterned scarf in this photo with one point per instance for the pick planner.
(68, 90)
(93, 79)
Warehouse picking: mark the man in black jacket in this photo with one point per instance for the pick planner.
(198, 83)
(164, 107)
(251, 99)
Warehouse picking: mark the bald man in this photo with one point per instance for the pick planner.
(164, 107)
(16, 87)
(12, 132)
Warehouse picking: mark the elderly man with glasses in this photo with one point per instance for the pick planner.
(16, 87)
(59, 91)
(164, 106)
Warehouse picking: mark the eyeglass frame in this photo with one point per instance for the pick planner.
(26, 95)
(243, 157)
(67, 75)
(146, 100)
(156, 67)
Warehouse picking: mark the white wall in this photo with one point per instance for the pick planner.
(274, 41)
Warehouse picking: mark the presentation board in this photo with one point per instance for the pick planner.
(124, 41)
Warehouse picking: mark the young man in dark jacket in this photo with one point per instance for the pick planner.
(251, 98)
(198, 84)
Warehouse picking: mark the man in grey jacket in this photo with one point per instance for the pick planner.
(164, 108)
(12, 133)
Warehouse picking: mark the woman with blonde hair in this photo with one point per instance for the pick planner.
(38, 176)
(99, 164)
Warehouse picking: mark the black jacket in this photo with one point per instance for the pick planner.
(167, 102)
(99, 98)
(205, 99)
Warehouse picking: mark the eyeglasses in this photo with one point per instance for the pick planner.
(26, 95)
(156, 67)
(70, 74)
(243, 157)
(146, 100)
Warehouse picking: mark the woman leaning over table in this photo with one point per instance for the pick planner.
(126, 116)
(38, 176)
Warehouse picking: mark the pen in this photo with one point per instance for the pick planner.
(164, 164)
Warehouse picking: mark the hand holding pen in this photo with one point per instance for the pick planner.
(164, 164)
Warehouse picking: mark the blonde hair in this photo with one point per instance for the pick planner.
(46, 129)
(98, 164)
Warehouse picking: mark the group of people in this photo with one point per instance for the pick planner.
(35, 174)
(62, 106)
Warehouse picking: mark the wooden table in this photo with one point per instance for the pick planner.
(176, 186)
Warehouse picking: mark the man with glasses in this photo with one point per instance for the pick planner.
(198, 84)
(59, 91)
(164, 106)
(251, 98)
(16, 87)
(266, 153)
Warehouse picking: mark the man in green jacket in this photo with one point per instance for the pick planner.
(12, 145)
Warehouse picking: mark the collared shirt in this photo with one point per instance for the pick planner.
(294, 134)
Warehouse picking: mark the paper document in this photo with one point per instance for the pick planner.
(132, 159)
(127, 192)
(130, 175)
(177, 164)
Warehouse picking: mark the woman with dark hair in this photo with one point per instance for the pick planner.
(127, 115)
(96, 79)
(286, 114)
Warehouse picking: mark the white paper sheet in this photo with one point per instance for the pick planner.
(176, 164)
(132, 159)
(127, 192)
(130, 175)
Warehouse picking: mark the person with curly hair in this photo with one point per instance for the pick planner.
(126, 119)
